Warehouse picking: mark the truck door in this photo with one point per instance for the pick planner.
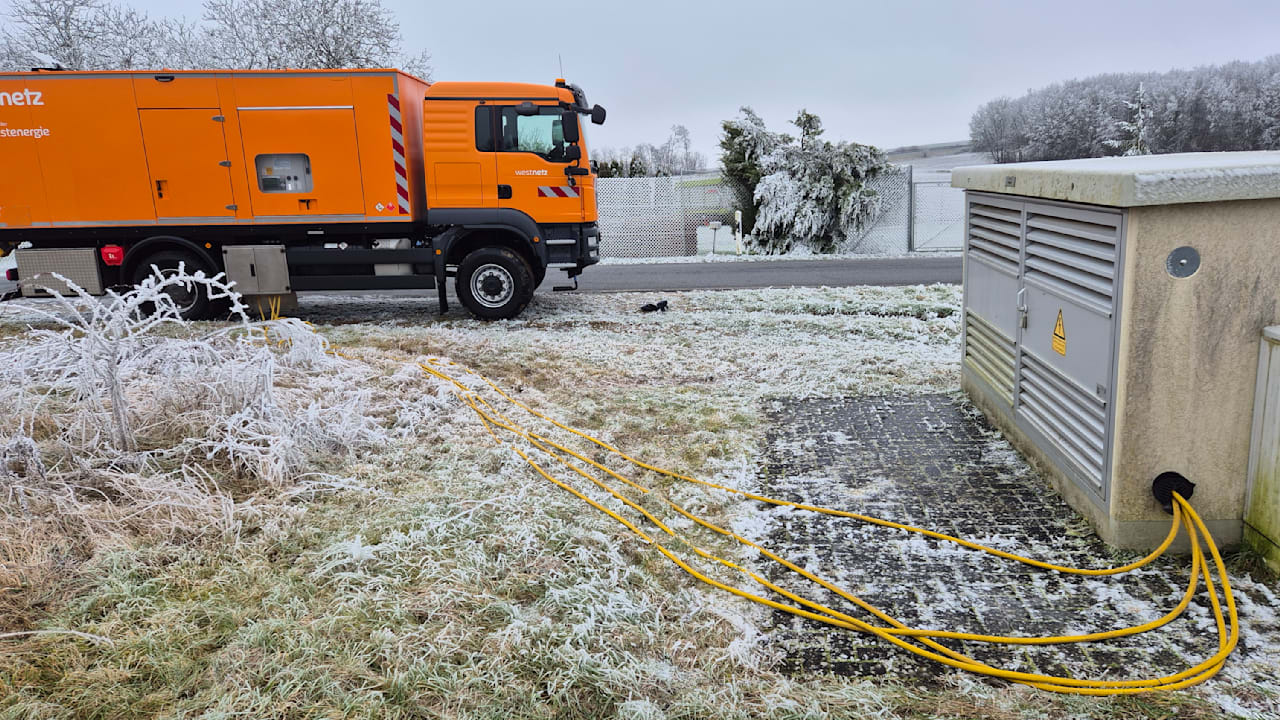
(531, 163)
(302, 162)
(459, 146)
(187, 157)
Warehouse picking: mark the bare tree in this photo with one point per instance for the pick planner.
(233, 34)
(995, 130)
(64, 29)
(306, 34)
(128, 40)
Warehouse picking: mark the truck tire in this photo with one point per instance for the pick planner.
(192, 303)
(494, 283)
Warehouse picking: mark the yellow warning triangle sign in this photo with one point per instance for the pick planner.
(1059, 336)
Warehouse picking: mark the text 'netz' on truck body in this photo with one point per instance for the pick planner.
(296, 180)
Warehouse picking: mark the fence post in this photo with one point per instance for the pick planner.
(911, 209)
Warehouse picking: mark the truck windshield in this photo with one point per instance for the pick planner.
(541, 134)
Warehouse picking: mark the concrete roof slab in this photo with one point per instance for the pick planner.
(1133, 181)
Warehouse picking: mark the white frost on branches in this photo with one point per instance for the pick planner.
(232, 34)
(812, 192)
(124, 419)
(1135, 131)
(1216, 108)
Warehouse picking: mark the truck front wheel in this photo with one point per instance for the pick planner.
(494, 283)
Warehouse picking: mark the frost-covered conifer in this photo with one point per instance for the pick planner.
(1134, 131)
(807, 191)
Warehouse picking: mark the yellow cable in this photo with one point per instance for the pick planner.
(1173, 529)
(846, 620)
(1184, 515)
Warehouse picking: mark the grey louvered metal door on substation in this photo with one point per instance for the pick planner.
(1045, 341)
(992, 269)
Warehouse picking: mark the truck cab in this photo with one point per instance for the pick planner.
(507, 167)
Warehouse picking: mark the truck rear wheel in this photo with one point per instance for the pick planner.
(192, 300)
(494, 283)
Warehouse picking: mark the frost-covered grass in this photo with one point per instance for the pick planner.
(386, 559)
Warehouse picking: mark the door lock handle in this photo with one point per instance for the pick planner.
(160, 188)
(504, 192)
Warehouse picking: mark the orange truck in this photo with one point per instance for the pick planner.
(293, 181)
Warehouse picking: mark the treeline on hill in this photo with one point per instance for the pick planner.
(238, 34)
(805, 191)
(676, 156)
(1226, 107)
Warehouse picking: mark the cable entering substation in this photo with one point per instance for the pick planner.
(922, 642)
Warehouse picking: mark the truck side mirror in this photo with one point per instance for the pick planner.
(597, 115)
(526, 109)
(569, 124)
(573, 153)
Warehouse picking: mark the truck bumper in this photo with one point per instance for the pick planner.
(572, 248)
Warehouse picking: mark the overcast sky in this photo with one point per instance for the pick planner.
(890, 73)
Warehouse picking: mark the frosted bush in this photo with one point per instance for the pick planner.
(129, 420)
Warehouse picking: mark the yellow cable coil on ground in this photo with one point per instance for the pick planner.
(922, 642)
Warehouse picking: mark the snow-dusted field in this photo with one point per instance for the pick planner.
(358, 546)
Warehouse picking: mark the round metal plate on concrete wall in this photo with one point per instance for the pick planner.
(1183, 262)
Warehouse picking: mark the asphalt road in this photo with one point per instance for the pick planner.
(781, 273)
(731, 275)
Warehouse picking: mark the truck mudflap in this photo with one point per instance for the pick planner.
(441, 244)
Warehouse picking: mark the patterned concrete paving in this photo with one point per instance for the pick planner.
(934, 462)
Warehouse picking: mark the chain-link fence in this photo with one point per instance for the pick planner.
(917, 213)
(659, 217)
(937, 216)
(887, 230)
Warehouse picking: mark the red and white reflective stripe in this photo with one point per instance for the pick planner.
(397, 146)
(563, 191)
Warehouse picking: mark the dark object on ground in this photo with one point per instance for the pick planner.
(652, 307)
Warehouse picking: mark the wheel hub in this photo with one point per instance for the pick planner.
(183, 295)
(492, 285)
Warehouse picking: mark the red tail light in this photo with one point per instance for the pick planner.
(11, 274)
(113, 255)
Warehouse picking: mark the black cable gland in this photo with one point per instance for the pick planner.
(1168, 483)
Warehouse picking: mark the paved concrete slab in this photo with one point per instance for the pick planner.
(934, 462)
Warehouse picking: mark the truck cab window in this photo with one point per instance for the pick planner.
(484, 129)
(541, 134)
(284, 173)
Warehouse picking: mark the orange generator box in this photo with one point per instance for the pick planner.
(294, 180)
(203, 148)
